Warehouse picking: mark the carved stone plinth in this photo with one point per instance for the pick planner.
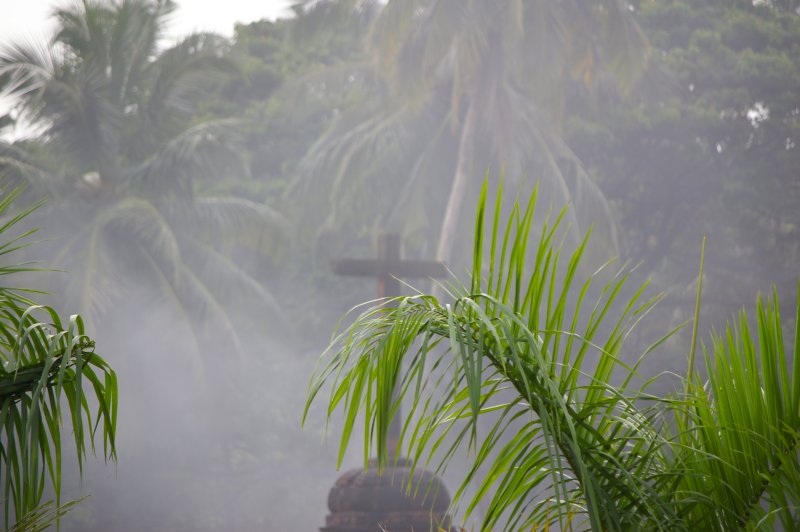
(363, 501)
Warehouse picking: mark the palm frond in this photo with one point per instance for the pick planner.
(205, 150)
(135, 28)
(571, 442)
(19, 168)
(43, 362)
(225, 278)
(26, 67)
(43, 517)
(739, 447)
(522, 329)
(78, 110)
(97, 251)
(183, 71)
(196, 295)
(371, 146)
(231, 219)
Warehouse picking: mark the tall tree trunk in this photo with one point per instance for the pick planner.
(458, 190)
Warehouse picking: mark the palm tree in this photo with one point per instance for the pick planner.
(478, 80)
(44, 360)
(124, 156)
(572, 440)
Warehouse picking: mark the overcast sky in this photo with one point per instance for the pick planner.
(31, 17)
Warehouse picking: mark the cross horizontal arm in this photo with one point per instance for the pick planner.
(386, 268)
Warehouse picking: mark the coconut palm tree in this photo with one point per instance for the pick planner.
(122, 153)
(573, 438)
(43, 361)
(477, 80)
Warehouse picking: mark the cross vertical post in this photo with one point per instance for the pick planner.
(389, 253)
(364, 500)
(388, 268)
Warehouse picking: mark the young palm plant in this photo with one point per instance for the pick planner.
(571, 440)
(736, 436)
(43, 361)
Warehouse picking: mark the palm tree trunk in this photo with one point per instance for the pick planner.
(458, 190)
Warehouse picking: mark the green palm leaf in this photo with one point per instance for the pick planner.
(43, 362)
(566, 433)
(570, 441)
(741, 441)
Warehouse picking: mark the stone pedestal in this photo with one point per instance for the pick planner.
(363, 501)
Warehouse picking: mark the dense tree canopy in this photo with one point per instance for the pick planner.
(706, 145)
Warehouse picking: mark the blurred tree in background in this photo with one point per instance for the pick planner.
(706, 144)
(458, 87)
(279, 90)
(125, 152)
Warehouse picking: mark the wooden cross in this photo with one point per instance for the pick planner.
(388, 268)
